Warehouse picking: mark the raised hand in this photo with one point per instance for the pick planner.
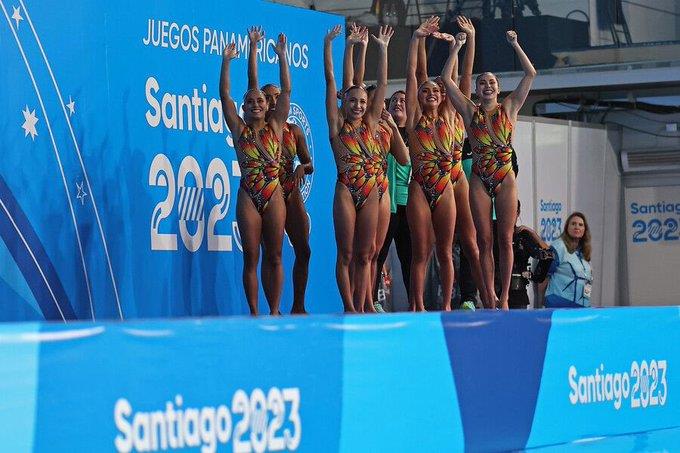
(384, 36)
(333, 33)
(364, 35)
(428, 27)
(354, 36)
(387, 117)
(230, 52)
(358, 34)
(511, 36)
(255, 34)
(281, 45)
(465, 25)
(443, 36)
(461, 38)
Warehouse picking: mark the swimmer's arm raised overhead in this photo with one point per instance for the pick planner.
(348, 57)
(514, 102)
(255, 35)
(360, 67)
(446, 102)
(332, 112)
(351, 74)
(465, 82)
(421, 63)
(397, 146)
(234, 122)
(383, 41)
(280, 115)
(461, 103)
(413, 109)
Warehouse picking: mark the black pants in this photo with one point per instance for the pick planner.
(518, 299)
(468, 290)
(398, 230)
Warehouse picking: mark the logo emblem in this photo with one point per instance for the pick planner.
(297, 116)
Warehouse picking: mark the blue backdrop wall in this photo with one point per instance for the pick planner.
(118, 179)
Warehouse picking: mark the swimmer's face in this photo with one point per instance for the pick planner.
(271, 94)
(429, 96)
(255, 105)
(355, 103)
(576, 227)
(487, 86)
(397, 107)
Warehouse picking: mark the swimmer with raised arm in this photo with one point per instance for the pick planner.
(431, 206)
(291, 177)
(489, 127)
(260, 206)
(352, 128)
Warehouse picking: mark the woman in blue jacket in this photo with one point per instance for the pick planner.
(570, 276)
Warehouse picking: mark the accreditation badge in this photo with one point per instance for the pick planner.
(587, 289)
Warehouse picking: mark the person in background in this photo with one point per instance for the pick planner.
(570, 276)
(527, 244)
(466, 285)
(399, 177)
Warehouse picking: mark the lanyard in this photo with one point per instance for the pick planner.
(585, 271)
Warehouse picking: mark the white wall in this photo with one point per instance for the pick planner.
(576, 169)
(587, 176)
(613, 269)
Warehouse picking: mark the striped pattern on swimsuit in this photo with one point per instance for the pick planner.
(287, 161)
(492, 161)
(358, 173)
(259, 164)
(434, 165)
(457, 154)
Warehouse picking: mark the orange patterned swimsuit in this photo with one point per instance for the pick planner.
(358, 173)
(492, 160)
(258, 157)
(433, 165)
(457, 155)
(287, 161)
(380, 160)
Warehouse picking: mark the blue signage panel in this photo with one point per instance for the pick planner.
(408, 382)
(232, 384)
(497, 359)
(118, 181)
(607, 373)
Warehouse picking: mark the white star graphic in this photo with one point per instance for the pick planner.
(71, 106)
(16, 15)
(81, 193)
(29, 123)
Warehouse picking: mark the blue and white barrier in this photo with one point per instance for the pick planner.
(386, 383)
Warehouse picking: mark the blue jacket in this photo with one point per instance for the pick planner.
(569, 275)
